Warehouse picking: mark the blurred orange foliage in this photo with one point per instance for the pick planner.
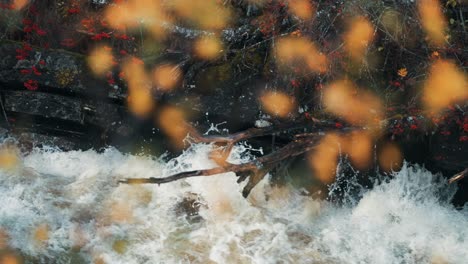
(206, 14)
(303, 9)
(324, 158)
(390, 157)
(100, 60)
(433, 20)
(445, 85)
(277, 103)
(293, 50)
(19, 4)
(8, 158)
(166, 77)
(9, 258)
(359, 146)
(41, 233)
(208, 47)
(358, 107)
(173, 123)
(133, 13)
(358, 37)
(140, 100)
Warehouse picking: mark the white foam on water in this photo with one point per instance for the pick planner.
(407, 219)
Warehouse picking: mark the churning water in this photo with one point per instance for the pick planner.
(66, 207)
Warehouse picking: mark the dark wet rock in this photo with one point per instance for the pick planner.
(189, 207)
(64, 71)
(47, 105)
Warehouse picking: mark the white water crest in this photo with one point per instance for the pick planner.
(89, 217)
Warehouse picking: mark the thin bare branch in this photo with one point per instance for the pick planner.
(255, 170)
(458, 176)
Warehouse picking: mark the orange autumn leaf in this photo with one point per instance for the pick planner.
(433, 21)
(402, 72)
(435, 55)
(446, 85)
(277, 103)
(358, 37)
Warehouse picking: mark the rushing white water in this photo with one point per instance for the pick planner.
(74, 197)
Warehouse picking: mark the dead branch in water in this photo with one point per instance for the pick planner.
(305, 136)
(255, 170)
(458, 176)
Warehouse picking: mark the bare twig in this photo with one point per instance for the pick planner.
(458, 176)
(254, 170)
(3, 111)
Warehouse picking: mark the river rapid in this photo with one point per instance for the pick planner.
(66, 207)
